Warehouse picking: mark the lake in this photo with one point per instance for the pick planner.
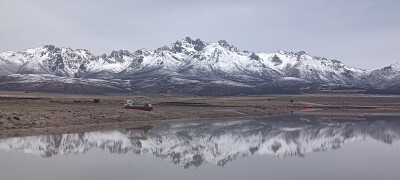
(290, 146)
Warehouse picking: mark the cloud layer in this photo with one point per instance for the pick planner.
(359, 33)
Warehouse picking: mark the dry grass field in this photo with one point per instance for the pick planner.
(24, 114)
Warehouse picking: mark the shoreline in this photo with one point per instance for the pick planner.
(72, 129)
(26, 114)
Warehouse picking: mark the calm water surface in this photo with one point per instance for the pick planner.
(282, 147)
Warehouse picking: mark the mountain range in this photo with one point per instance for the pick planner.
(191, 144)
(187, 67)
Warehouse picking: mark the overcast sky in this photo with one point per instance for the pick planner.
(360, 33)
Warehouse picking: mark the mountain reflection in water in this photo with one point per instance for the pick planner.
(219, 142)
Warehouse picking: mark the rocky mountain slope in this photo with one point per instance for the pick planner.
(193, 66)
(194, 143)
(386, 78)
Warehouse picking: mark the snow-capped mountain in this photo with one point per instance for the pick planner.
(386, 78)
(194, 143)
(221, 61)
(195, 66)
(63, 62)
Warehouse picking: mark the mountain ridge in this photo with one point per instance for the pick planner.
(193, 66)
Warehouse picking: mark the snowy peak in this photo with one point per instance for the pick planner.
(49, 59)
(186, 45)
(66, 62)
(197, 44)
(226, 45)
(392, 68)
(120, 54)
(313, 69)
(386, 78)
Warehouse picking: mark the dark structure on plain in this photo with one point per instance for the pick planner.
(96, 100)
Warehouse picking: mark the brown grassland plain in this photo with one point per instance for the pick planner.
(23, 114)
